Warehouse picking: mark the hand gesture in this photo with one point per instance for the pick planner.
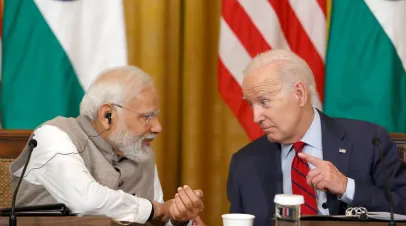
(325, 177)
(187, 204)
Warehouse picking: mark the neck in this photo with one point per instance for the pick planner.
(104, 134)
(101, 130)
(304, 124)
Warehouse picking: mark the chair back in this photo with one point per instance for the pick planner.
(12, 143)
(400, 141)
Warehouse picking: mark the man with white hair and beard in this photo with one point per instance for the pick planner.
(331, 162)
(101, 162)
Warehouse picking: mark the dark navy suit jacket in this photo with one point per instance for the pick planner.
(255, 173)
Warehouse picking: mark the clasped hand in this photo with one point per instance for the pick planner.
(185, 206)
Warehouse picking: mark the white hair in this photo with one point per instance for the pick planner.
(292, 67)
(116, 85)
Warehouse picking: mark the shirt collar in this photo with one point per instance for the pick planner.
(312, 136)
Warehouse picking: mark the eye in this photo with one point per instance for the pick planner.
(264, 102)
(147, 117)
(150, 115)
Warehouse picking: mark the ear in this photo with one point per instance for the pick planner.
(105, 115)
(300, 91)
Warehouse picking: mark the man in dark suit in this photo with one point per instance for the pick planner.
(332, 162)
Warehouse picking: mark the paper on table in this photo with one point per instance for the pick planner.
(386, 216)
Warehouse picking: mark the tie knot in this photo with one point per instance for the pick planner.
(298, 146)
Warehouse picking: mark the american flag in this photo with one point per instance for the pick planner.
(249, 27)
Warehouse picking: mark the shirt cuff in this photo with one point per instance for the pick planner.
(349, 192)
(144, 210)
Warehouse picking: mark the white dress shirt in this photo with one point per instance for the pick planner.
(67, 179)
(313, 140)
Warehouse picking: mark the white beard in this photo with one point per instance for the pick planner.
(131, 145)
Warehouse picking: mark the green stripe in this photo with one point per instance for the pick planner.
(38, 80)
(365, 78)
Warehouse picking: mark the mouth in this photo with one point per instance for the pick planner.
(265, 129)
(147, 141)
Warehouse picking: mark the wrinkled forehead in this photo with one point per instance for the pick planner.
(146, 100)
(264, 79)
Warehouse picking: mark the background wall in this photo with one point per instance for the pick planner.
(199, 131)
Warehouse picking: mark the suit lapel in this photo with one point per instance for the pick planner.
(337, 150)
(270, 172)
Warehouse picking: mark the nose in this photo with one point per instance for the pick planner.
(258, 114)
(155, 125)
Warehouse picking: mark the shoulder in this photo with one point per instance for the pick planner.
(357, 125)
(62, 123)
(257, 148)
(358, 132)
(52, 139)
(49, 132)
(352, 127)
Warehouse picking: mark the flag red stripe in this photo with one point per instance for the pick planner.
(299, 42)
(243, 27)
(323, 6)
(231, 93)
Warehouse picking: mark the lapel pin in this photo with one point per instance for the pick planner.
(341, 150)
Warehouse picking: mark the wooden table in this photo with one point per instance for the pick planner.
(103, 221)
(340, 223)
(62, 221)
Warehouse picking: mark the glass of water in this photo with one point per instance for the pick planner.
(287, 208)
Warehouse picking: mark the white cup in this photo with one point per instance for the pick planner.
(238, 219)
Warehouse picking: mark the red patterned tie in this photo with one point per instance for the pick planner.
(299, 171)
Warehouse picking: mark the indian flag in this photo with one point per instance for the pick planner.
(52, 52)
(366, 62)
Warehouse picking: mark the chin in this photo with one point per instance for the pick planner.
(270, 137)
(140, 155)
(273, 138)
